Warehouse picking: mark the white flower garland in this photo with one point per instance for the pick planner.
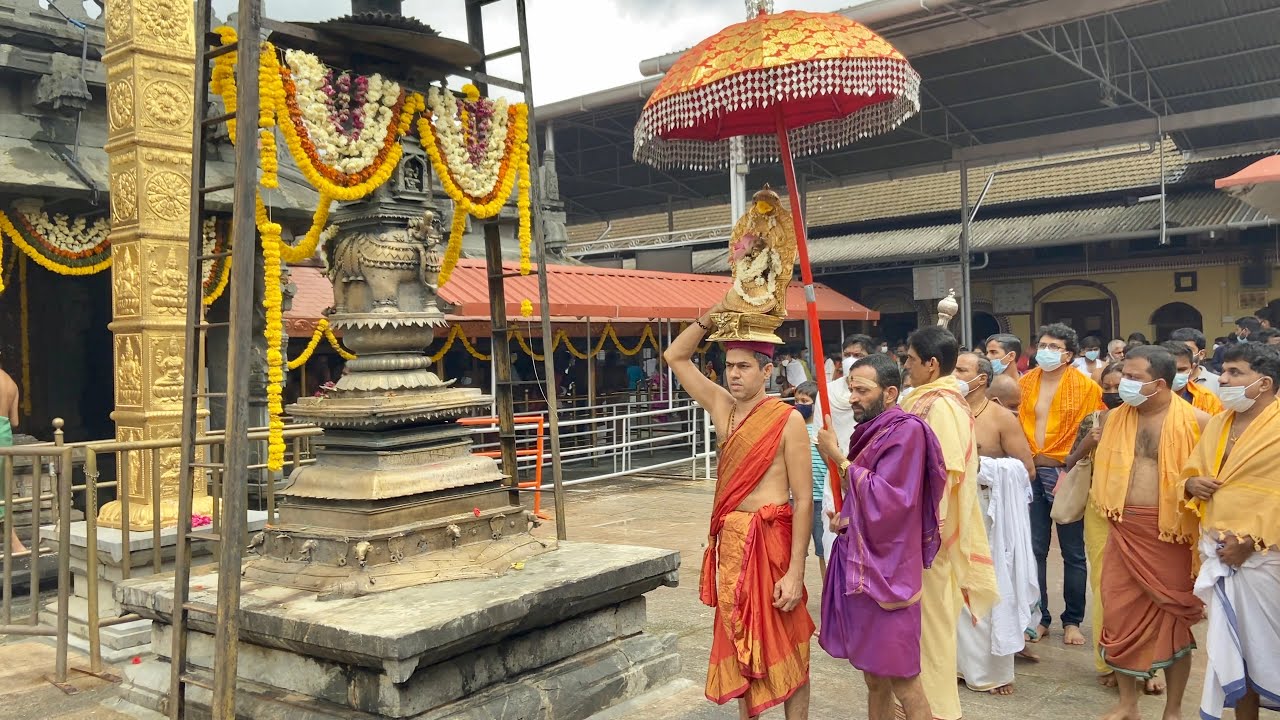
(754, 269)
(60, 231)
(346, 154)
(475, 181)
(323, 244)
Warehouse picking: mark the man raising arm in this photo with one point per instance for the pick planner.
(761, 631)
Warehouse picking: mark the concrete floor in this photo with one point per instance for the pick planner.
(669, 513)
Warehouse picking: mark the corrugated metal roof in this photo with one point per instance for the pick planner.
(575, 292)
(1198, 211)
(935, 193)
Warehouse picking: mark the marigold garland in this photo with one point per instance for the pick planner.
(322, 330)
(561, 337)
(216, 272)
(47, 255)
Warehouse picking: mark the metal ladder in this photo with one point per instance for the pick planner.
(231, 504)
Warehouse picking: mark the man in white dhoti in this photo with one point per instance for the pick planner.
(1231, 482)
(986, 648)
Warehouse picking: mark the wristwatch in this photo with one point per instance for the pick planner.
(844, 467)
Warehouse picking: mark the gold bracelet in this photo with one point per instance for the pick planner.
(844, 467)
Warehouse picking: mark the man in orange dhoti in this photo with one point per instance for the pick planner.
(1146, 566)
(753, 568)
(1232, 484)
(963, 574)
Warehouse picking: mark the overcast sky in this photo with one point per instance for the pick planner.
(577, 46)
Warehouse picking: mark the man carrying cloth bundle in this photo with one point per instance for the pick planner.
(963, 573)
(1146, 566)
(893, 480)
(753, 568)
(1232, 484)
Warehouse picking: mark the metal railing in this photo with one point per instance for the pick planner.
(60, 489)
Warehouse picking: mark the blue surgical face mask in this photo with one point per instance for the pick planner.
(1131, 392)
(1180, 381)
(1048, 360)
(805, 410)
(1000, 365)
(1091, 355)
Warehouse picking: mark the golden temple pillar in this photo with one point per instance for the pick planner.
(150, 62)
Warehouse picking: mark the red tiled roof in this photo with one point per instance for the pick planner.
(577, 292)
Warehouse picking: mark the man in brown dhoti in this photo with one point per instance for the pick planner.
(1146, 567)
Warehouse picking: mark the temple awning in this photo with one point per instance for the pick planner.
(1258, 185)
(576, 292)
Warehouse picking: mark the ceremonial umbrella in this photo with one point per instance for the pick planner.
(783, 85)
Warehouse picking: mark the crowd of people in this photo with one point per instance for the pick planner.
(1154, 464)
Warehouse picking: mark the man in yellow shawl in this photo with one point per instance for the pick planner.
(1184, 385)
(963, 572)
(1233, 484)
(1146, 567)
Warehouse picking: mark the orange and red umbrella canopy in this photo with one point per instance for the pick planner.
(830, 79)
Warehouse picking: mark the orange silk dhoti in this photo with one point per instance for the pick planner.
(757, 651)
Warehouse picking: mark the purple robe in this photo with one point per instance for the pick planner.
(871, 598)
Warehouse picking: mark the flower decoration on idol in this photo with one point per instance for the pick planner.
(479, 148)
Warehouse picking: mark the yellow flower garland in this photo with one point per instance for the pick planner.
(607, 334)
(221, 285)
(7, 230)
(322, 330)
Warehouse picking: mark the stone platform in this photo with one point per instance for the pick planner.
(125, 641)
(560, 636)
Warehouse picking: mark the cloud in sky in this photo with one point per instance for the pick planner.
(577, 46)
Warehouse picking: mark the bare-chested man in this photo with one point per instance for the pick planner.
(762, 627)
(1146, 568)
(987, 646)
(1055, 399)
(1005, 392)
(9, 406)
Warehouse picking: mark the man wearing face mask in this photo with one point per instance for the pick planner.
(1246, 328)
(1183, 385)
(987, 646)
(1146, 567)
(1195, 341)
(1091, 361)
(1055, 400)
(1003, 350)
(964, 573)
(1230, 481)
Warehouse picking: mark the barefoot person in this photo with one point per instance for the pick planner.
(1231, 483)
(753, 568)
(8, 406)
(963, 573)
(1055, 399)
(893, 479)
(987, 646)
(1146, 567)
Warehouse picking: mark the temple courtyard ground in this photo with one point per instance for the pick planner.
(667, 512)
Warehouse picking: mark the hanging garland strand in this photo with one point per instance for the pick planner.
(606, 335)
(322, 330)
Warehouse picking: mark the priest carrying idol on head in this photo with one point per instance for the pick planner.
(761, 519)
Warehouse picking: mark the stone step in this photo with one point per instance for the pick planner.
(680, 699)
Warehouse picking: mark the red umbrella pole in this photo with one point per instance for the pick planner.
(810, 299)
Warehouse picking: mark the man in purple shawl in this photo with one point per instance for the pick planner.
(893, 481)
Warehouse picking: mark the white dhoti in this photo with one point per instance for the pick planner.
(986, 648)
(1242, 641)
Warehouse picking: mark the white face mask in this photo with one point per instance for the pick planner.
(962, 386)
(1131, 392)
(1049, 360)
(1234, 398)
(847, 364)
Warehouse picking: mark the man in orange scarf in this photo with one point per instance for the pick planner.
(753, 568)
(1231, 484)
(1146, 567)
(1055, 400)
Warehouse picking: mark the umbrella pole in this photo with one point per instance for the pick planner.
(810, 298)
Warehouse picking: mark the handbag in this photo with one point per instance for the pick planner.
(1071, 494)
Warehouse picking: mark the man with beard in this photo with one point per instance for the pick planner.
(893, 478)
(963, 573)
(753, 567)
(987, 646)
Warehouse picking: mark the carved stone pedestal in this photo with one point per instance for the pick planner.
(562, 637)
